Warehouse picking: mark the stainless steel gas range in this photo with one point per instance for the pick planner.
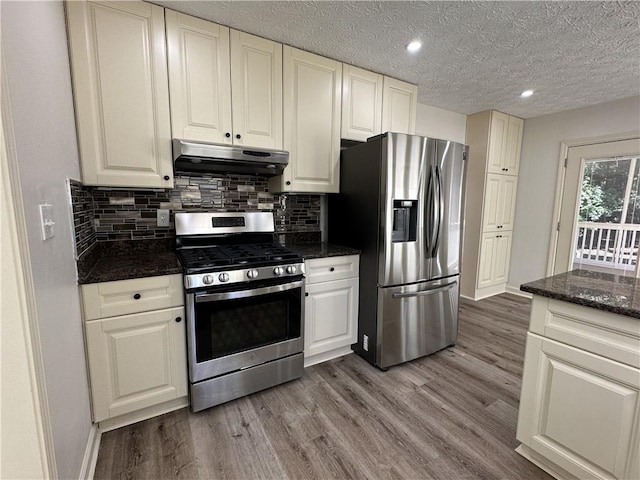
(244, 305)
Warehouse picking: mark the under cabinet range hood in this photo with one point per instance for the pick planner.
(199, 157)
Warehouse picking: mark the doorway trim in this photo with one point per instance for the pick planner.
(565, 145)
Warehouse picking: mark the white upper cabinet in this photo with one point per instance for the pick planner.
(361, 103)
(225, 85)
(505, 142)
(256, 91)
(312, 100)
(119, 71)
(199, 79)
(399, 101)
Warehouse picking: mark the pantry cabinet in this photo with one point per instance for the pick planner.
(494, 140)
(580, 399)
(121, 96)
(331, 307)
(399, 103)
(226, 86)
(312, 108)
(136, 348)
(361, 103)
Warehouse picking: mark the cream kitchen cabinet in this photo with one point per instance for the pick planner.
(312, 107)
(361, 103)
(580, 399)
(137, 357)
(494, 140)
(225, 85)
(399, 103)
(331, 307)
(121, 95)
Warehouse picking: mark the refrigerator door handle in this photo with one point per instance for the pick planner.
(438, 210)
(428, 291)
(429, 213)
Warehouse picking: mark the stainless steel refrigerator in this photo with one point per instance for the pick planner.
(401, 204)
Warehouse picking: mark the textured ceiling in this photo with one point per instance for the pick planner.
(475, 55)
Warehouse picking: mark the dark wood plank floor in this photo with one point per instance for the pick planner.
(451, 415)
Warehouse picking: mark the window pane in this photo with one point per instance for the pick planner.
(633, 210)
(603, 188)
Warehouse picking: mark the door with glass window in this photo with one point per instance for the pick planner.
(599, 226)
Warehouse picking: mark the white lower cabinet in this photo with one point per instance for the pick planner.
(331, 308)
(579, 411)
(493, 267)
(137, 362)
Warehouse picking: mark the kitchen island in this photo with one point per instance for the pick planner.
(580, 402)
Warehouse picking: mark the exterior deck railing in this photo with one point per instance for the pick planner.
(611, 245)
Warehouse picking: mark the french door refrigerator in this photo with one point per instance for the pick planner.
(401, 203)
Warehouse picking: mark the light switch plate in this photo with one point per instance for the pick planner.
(162, 216)
(47, 221)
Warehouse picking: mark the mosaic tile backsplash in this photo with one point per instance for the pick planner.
(108, 214)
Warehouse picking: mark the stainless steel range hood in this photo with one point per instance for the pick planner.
(198, 157)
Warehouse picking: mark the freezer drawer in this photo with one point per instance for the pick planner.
(416, 320)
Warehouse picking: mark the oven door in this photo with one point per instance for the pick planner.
(241, 328)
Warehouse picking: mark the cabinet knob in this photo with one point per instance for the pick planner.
(498, 236)
(178, 319)
(331, 269)
(288, 182)
(227, 134)
(306, 294)
(137, 296)
(238, 136)
(167, 177)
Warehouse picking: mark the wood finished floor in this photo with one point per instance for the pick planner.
(449, 416)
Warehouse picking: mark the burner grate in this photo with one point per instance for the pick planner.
(205, 258)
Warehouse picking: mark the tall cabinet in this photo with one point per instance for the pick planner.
(495, 141)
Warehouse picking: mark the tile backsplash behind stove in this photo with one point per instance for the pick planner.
(109, 214)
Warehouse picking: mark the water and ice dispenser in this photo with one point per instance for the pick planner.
(405, 216)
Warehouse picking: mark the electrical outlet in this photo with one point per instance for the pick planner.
(162, 216)
(365, 343)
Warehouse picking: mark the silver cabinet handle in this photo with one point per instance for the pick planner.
(429, 291)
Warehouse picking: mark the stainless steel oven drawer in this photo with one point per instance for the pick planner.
(238, 384)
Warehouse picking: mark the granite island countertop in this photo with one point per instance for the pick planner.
(604, 291)
(320, 250)
(124, 260)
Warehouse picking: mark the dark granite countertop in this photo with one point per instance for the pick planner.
(320, 250)
(604, 291)
(124, 260)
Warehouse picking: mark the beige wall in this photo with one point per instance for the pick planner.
(438, 123)
(538, 172)
(35, 49)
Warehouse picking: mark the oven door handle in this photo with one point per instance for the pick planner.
(211, 297)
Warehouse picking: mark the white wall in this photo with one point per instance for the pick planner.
(438, 123)
(35, 47)
(538, 173)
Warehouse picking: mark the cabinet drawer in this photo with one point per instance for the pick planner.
(331, 268)
(612, 336)
(108, 299)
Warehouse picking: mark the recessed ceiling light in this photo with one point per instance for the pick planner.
(414, 46)
(526, 93)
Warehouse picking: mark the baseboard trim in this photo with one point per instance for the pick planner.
(517, 291)
(323, 357)
(143, 414)
(554, 470)
(91, 454)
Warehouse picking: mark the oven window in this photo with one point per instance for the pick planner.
(225, 327)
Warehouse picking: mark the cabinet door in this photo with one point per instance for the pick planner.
(312, 98)
(331, 316)
(497, 142)
(399, 102)
(256, 79)
(507, 201)
(119, 72)
(580, 410)
(361, 103)
(493, 263)
(199, 79)
(514, 145)
(136, 361)
(491, 214)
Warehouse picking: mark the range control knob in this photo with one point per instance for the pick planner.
(223, 277)
(291, 269)
(252, 274)
(278, 271)
(207, 279)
